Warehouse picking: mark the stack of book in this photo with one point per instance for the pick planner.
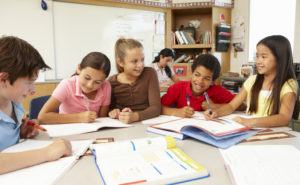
(183, 37)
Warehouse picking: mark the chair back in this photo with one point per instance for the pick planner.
(36, 105)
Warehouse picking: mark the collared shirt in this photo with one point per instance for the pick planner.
(69, 93)
(161, 73)
(176, 95)
(264, 96)
(9, 129)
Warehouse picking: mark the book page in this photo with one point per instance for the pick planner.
(216, 127)
(263, 164)
(149, 164)
(134, 145)
(45, 173)
(56, 130)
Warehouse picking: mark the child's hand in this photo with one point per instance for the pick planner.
(87, 116)
(59, 148)
(208, 115)
(127, 116)
(27, 131)
(243, 121)
(114, 113)
(185, 112)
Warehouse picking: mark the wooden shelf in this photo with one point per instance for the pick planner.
(192, 46)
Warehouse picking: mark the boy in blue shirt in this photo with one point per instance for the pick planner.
(20, 64)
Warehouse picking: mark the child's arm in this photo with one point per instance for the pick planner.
(14, 161)
(104, 111)
(48, 114)
(186, 112)
(228, 108)
(281, 119)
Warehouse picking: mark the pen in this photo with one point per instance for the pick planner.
(85, 103)
(187, 99)
(36, 126)
(207, 101)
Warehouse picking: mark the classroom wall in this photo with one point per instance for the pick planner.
(27, 20)
(66, 32)
(242, 8)
(297, 34)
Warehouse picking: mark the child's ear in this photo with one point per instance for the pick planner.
(120, 62)
(161, 57)
(4, 76)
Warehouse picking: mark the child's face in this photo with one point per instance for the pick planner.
(90, 79)
(20, 89)
(265, 60)
(165, 60)
(202, 78)
(133, 63)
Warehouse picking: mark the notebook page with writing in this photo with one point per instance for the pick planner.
(56, 130)
(263, 164)
(159, 119)
(147, 160)
(46, 173)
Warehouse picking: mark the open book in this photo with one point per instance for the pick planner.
(56, 130)
(221, 132)
(146, 160)
(46, 173)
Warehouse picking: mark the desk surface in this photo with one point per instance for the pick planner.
(85, 171)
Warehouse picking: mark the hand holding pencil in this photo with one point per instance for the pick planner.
(27, 130)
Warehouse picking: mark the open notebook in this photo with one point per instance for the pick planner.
(146, 160)
(263, 164)
(222, 132)
(46, 173)
(56, 130)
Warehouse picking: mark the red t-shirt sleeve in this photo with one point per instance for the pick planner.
(171, 96)
(220, 95)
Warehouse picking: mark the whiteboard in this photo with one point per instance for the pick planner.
(80, 29)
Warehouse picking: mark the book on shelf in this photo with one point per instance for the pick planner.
(179, 37)
(145, 161)
(46, 173)
(221, 132)
(56, 130)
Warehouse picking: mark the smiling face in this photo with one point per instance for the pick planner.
(20, 89)
(133, 63)
(265, 61)
(202, 78)
(90, 79)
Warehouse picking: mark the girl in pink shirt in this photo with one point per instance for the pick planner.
(82, 97)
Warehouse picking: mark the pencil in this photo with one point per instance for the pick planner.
(187, 99)
(85, 103)
(207, 101)
(36, 126)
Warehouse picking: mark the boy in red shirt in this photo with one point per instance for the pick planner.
(188, 96)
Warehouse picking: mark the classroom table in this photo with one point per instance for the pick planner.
(85, 171)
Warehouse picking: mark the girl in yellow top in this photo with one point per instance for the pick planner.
(272, 93)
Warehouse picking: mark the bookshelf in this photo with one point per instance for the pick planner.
(209, 17)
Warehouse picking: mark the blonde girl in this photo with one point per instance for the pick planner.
(135, 90)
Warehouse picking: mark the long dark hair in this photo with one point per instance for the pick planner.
(96, 60)
(281, 49)
(165, 53)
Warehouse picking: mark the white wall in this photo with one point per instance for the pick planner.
(27, 20)
(297, 34)
(241, 8)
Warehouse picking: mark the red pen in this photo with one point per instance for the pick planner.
(36, 126)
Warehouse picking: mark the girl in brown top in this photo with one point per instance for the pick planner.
(135, 89)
